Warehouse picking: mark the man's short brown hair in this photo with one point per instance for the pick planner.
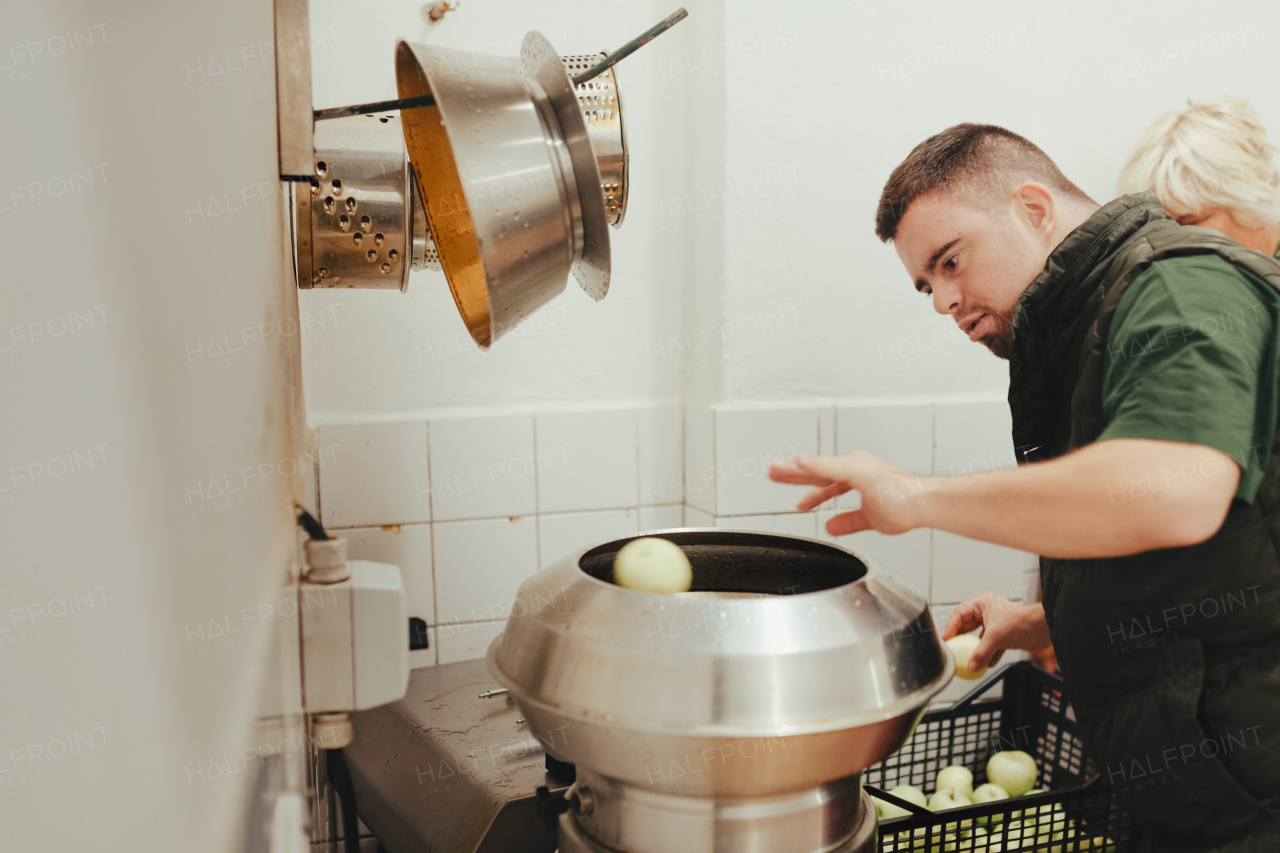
(977, 162)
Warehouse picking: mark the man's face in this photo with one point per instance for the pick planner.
(973, 263)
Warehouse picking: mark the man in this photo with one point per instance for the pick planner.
(1144, 372)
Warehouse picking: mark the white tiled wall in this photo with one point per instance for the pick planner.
(482, 467)
(587, 460)
(374, 474)
(480, 565)
(746, 441)
(469, 507)
(561, 535)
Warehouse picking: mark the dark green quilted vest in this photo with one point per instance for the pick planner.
(1172, 657)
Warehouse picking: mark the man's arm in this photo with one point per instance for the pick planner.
(1107, 499)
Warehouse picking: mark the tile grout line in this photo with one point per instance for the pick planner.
(431, 534)
(537, 493)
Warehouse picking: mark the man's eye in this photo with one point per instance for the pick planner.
(950, 263)
(927, 291)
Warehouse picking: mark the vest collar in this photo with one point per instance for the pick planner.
(1054, 313)
(1056, 296)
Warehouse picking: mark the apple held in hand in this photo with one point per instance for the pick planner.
(1013, 770)
(963, 646)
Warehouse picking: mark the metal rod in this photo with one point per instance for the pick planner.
(632, 46)
(489, 694)
(376, 107)
(599, 68)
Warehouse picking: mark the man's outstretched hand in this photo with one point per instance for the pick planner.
(890, 496)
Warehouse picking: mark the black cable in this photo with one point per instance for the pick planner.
(340, 778)
(308, 523)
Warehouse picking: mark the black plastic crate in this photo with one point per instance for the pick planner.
(1076, 813)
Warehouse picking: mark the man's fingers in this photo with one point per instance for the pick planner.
(788, 472)
(966, 617)
(821, 495)
(833, 468)
(847, 522)
(990, 649)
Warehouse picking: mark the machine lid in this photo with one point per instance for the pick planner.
(779, 635)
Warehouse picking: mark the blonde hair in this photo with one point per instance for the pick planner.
(1208, 156)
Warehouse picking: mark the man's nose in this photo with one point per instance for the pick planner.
(946, 299)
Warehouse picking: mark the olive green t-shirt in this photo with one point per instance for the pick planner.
(1192, 356)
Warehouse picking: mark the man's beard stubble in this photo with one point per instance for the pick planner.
(999, 341)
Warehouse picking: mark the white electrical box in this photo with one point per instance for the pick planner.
(355, 639)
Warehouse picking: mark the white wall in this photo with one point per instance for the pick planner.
(125, 721)
(748, 283)
(747, 269)
(384, 354)
(826, 98)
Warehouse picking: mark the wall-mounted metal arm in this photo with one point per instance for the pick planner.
(599, 68)
(375, 107)
(632, 46)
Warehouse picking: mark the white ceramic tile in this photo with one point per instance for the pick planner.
(466, 640)
(789, 524)
(425, 657)
(747, 440)
(660, 443)
(480, 565)
(374, 474)
(700, 459)
(963, 568)
(901, 435)
(407, 546)
(661, 517)
(561, 535)
(586, 460)
(826, 430)
(973, 437)
(694, 517)
(827, 441)
(906, 556)
(310, 487)
(482, 467)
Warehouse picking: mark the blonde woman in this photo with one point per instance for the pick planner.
(1212, 166)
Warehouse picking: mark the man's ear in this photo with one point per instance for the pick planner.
(1034, 204)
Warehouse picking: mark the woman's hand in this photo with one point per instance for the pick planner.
(889, 495)
(1005, 625)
